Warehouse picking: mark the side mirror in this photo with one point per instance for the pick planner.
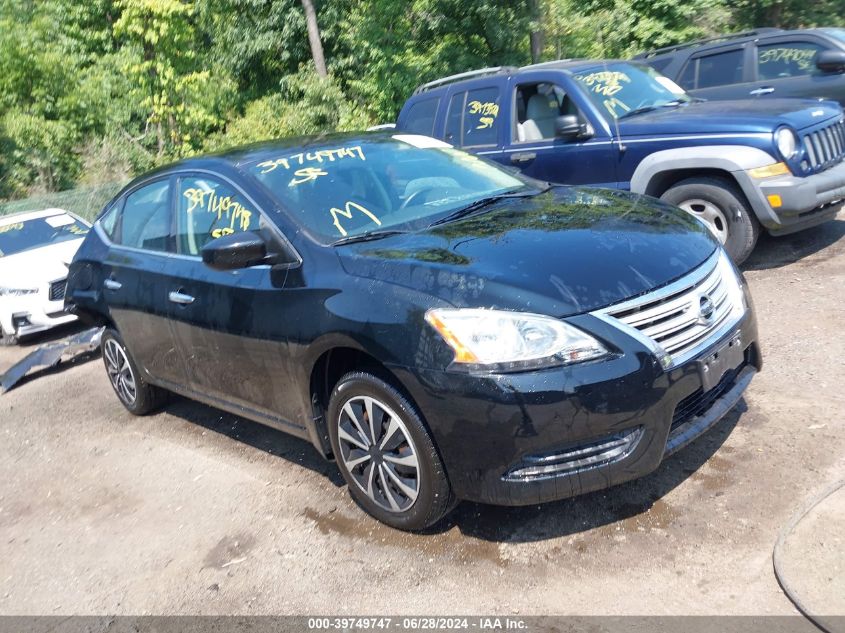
(234, 251)
(831, 61)
(568, 126)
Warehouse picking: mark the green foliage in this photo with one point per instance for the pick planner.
(95, 91)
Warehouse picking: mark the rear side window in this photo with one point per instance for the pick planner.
(481, 117)
(145, 221)
(786, 59)
(659, 64)
(420, 117)
(721, 69)
(455, 118)
(208, 208)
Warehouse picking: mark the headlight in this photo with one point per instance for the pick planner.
(17, 292)
(786, 141)
(508, 341)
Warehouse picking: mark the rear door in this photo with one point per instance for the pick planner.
(536, 99)
(786, 67)
(136, 277)
(232, 327)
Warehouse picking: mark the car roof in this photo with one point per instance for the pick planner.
(729, 38)
(31, 215)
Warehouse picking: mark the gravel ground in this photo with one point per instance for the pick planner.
(192, 510)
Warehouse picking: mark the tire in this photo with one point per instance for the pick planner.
(409, 495)
(6, 339)
(723, 208)
(138, 396)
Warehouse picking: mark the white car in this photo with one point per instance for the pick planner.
(36, 248)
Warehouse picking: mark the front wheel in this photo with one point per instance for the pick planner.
(385, 453)
(722, 207)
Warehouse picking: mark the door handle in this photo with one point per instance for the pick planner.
(180, 298)
(762, 91)
(523, 157)
(112, 284)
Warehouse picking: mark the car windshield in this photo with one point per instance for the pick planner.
(622, 89)
(835, 32)
(16, 237)
(383, 183)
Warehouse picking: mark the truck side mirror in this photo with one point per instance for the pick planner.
(570, 126)
(831, 61)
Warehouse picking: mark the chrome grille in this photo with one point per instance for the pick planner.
(57, 290)
(825, 148)
(682, 319)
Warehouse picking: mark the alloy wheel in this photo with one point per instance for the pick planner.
(378, 453)
(120, 371)
(712, 216)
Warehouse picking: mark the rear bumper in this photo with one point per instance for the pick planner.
(613, 421)
(805, 202)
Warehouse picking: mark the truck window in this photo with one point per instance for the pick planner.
(786, 59)
(420, 118)
(455, 117)
(721, 69)
(537, 107)
(481, 111)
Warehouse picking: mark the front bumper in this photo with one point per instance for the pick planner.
(489, 429)
(30, 315)
(805, 202)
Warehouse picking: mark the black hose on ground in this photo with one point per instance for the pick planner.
(785, 531)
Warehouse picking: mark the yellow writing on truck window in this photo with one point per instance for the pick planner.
(6, 228)
(78, 230)
(320, 156)
(606, 82)
(346, 212)
(306, 174)
(488, 110)
(800, 56)
(224, 206)
(613, 105)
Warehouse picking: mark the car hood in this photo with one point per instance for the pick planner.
(560, 253)
(731, 117)
(38, 266)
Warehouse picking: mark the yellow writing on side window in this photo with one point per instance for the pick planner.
(17, 226)
(330, 155)
(606, 82)
(224, 206)
(346, 212)
(800, 56)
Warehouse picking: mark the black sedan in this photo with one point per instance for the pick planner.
(443, 328)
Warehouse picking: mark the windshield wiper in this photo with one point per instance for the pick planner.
(479, 204)
(366, 237)
(650, 108)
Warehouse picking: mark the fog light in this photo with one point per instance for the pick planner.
(774, 200)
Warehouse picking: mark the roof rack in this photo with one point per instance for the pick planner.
(554, 62)
(707, 40)
(472, 73)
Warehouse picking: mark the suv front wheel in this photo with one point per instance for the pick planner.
(722, 207)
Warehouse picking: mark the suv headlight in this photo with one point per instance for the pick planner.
(786, 141)
(17, 292)
(509, 341)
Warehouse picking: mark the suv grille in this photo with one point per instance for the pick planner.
(825, 147)
(683, 318)
(57, 290)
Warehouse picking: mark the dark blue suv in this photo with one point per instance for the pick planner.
(737, 165)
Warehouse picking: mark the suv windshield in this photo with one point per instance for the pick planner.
(835, 32)
(396, 183)
(623, 89)
(16, 237)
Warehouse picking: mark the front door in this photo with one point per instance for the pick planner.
(533, 147)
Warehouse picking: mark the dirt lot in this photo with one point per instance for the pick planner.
(195, 511)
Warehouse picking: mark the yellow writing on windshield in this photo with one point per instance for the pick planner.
(224, 206)
(78, 230)
(330, 155)
(606, 82)
(306, 174)
(613, 105)
(800, 56)
(6, 228)
(346, 212)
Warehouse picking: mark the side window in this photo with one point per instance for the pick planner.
(455, 118)
(659, 64)
(537, 107)
(687, 78)
(721, 69)
(786, 59)
(208, 208)
(420, 118)
(481, 113)
(145, 220)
